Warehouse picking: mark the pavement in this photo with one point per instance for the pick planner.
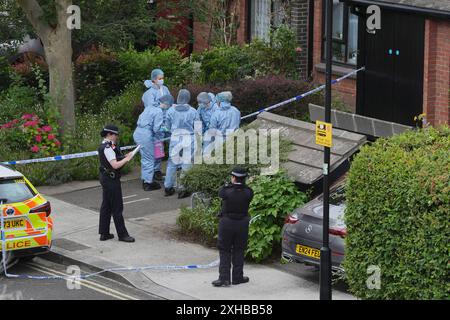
(151, 219)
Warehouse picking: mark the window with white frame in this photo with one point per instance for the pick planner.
(265, 15)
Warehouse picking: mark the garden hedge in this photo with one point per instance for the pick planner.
(397, 216)
(254, 94)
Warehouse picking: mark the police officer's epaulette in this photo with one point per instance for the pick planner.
(108, 144)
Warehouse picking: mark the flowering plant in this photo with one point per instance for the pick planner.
(40, 138)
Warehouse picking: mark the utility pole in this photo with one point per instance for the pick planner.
(325, 252)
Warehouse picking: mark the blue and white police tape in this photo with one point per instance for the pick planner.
(211, 265)
(94, 153)
(301, 96)
(61, 158)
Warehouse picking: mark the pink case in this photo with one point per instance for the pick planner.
(158, 151)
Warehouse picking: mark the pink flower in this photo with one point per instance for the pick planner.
(51, 137)
(7, 125)
(33, 123)
(35, 149)
(47, 128)
(57, 142)
(27, 116)
(298, 49)
(38, 139)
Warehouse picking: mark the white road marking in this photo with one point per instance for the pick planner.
(127, 197)
(86, 283)
(145, 199)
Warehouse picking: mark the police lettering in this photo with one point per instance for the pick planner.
(18, 245)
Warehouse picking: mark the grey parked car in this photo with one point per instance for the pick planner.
(302, 231)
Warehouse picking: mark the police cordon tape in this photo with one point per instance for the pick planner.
(297, 98)
(211, 265)
(94, 153)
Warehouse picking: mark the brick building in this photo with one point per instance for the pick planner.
(257, 17)
(407, 61)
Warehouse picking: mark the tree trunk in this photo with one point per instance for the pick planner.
(57, 42)
(58, 52)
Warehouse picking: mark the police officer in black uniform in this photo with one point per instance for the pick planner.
(233, 229)
(111, 161)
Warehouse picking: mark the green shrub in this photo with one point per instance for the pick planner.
(201, 222)
(253, 95)
(97, 76)
(274, 198)
(17, 100)
(125, 108)
(223, 64)
(5, 71)
(137, 66)
(208, 178)
(278, 57)
(397, 216)
(26, 72)
(86, 137)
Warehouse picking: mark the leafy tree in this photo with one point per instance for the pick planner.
(112, 23)
(49, 21)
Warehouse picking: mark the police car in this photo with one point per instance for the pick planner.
(26, 226)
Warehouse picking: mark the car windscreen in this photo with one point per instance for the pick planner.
(14, 190)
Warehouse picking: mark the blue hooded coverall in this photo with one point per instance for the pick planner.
(167, 100)
(152, 95)
(148, 125)
(225, 117)
(181, 116)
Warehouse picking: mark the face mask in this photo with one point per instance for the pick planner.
(160, 82)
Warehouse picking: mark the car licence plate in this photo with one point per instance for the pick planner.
(14, 224)
(308, 251)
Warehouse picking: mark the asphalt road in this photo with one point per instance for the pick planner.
(95, 288)
(137, 202)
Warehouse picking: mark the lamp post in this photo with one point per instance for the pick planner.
(325, 252)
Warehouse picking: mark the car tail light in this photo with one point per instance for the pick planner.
(46, 207)
(341, 232)
(291, 218)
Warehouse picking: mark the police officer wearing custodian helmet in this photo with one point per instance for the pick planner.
(233, 229)
(111, 161)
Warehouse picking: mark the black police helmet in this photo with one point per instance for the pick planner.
(239, 172)
(110, 128)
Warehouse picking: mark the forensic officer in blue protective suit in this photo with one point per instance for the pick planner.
(165, 103)
(180, 121)
(226, 117)
(156, 88)
(148, 126)
(206, 107)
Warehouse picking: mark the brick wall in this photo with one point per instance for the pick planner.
(202, 30)
(345, 90)
(437, 71)
(299, 22)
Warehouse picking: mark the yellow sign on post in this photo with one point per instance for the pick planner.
(324, 134)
